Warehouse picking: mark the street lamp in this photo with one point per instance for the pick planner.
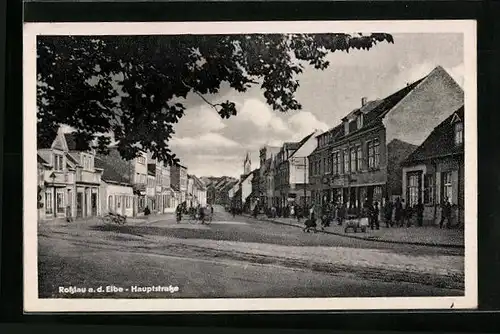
(53, 177)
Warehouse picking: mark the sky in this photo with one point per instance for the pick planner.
(211, 146)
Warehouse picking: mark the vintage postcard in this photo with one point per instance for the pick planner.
(250, 166)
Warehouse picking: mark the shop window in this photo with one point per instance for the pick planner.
(412, 189)
(60, 202)
(48, 203)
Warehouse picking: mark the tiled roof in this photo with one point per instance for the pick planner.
(41, 160)
(441, 141)
(109, 173)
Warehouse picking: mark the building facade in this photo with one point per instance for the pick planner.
(360, 159)
(178, 181)
(133, 172)
(289, 180)
(266, 184)
(88, 179)
(70, 180)
(434, 172)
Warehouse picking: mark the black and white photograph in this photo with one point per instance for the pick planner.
(250, 166)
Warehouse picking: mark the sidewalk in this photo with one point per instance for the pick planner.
(424, 236)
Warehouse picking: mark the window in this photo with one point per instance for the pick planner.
(58, 162)
(311, 167)
(429, 189)
(373, 154)
(325, 166)
(354, 159)
(141, 160)
(459, 133)
(447, 187)
(346, 161)
(48, 202)
(360, 158)
(346, 128)
(412, 189)
(118, 202)
(359, 121)
(110, 203)
(60, 202)
(336, 163)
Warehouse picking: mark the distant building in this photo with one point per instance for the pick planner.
(434, 172)
(178, 182)
(266, 184)
(361, 158)
(289, 168)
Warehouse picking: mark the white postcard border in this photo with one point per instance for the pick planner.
(34, 304)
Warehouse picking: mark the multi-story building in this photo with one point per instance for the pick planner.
(151, 186)
(434, 172)
(361, 158)
(291, 176)
(167, 193)
(266, 187)
(178, 181)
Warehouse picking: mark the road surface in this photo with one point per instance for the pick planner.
(236, 257)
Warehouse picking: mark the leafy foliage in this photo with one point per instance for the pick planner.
(131, 86)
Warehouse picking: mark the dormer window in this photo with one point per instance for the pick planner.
(58, 162)
(346, 127)
(359, 121)
(459, 133)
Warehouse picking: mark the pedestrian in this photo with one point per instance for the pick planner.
(341, 213)
(178, 213)
(375, 214)
(420, 213)
(445, 213)
(147, 211)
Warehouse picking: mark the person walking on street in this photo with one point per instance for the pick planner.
(375, 212)
(211, 212)
(445, 213)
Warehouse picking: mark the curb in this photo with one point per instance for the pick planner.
(367, 239)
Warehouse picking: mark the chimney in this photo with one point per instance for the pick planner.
(363, 101)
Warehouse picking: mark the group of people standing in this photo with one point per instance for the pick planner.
(199, 212)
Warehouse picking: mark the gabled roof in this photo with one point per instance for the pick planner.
(441, 141)
(109, 174)
(198, 183)
(41, 160)
(301, 143)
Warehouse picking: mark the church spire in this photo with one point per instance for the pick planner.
(247, 164)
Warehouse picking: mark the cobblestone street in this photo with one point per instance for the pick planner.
(232, 253)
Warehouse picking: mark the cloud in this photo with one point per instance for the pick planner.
(305, 122)
(205, 141)
(458, 73)
(200, 119)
